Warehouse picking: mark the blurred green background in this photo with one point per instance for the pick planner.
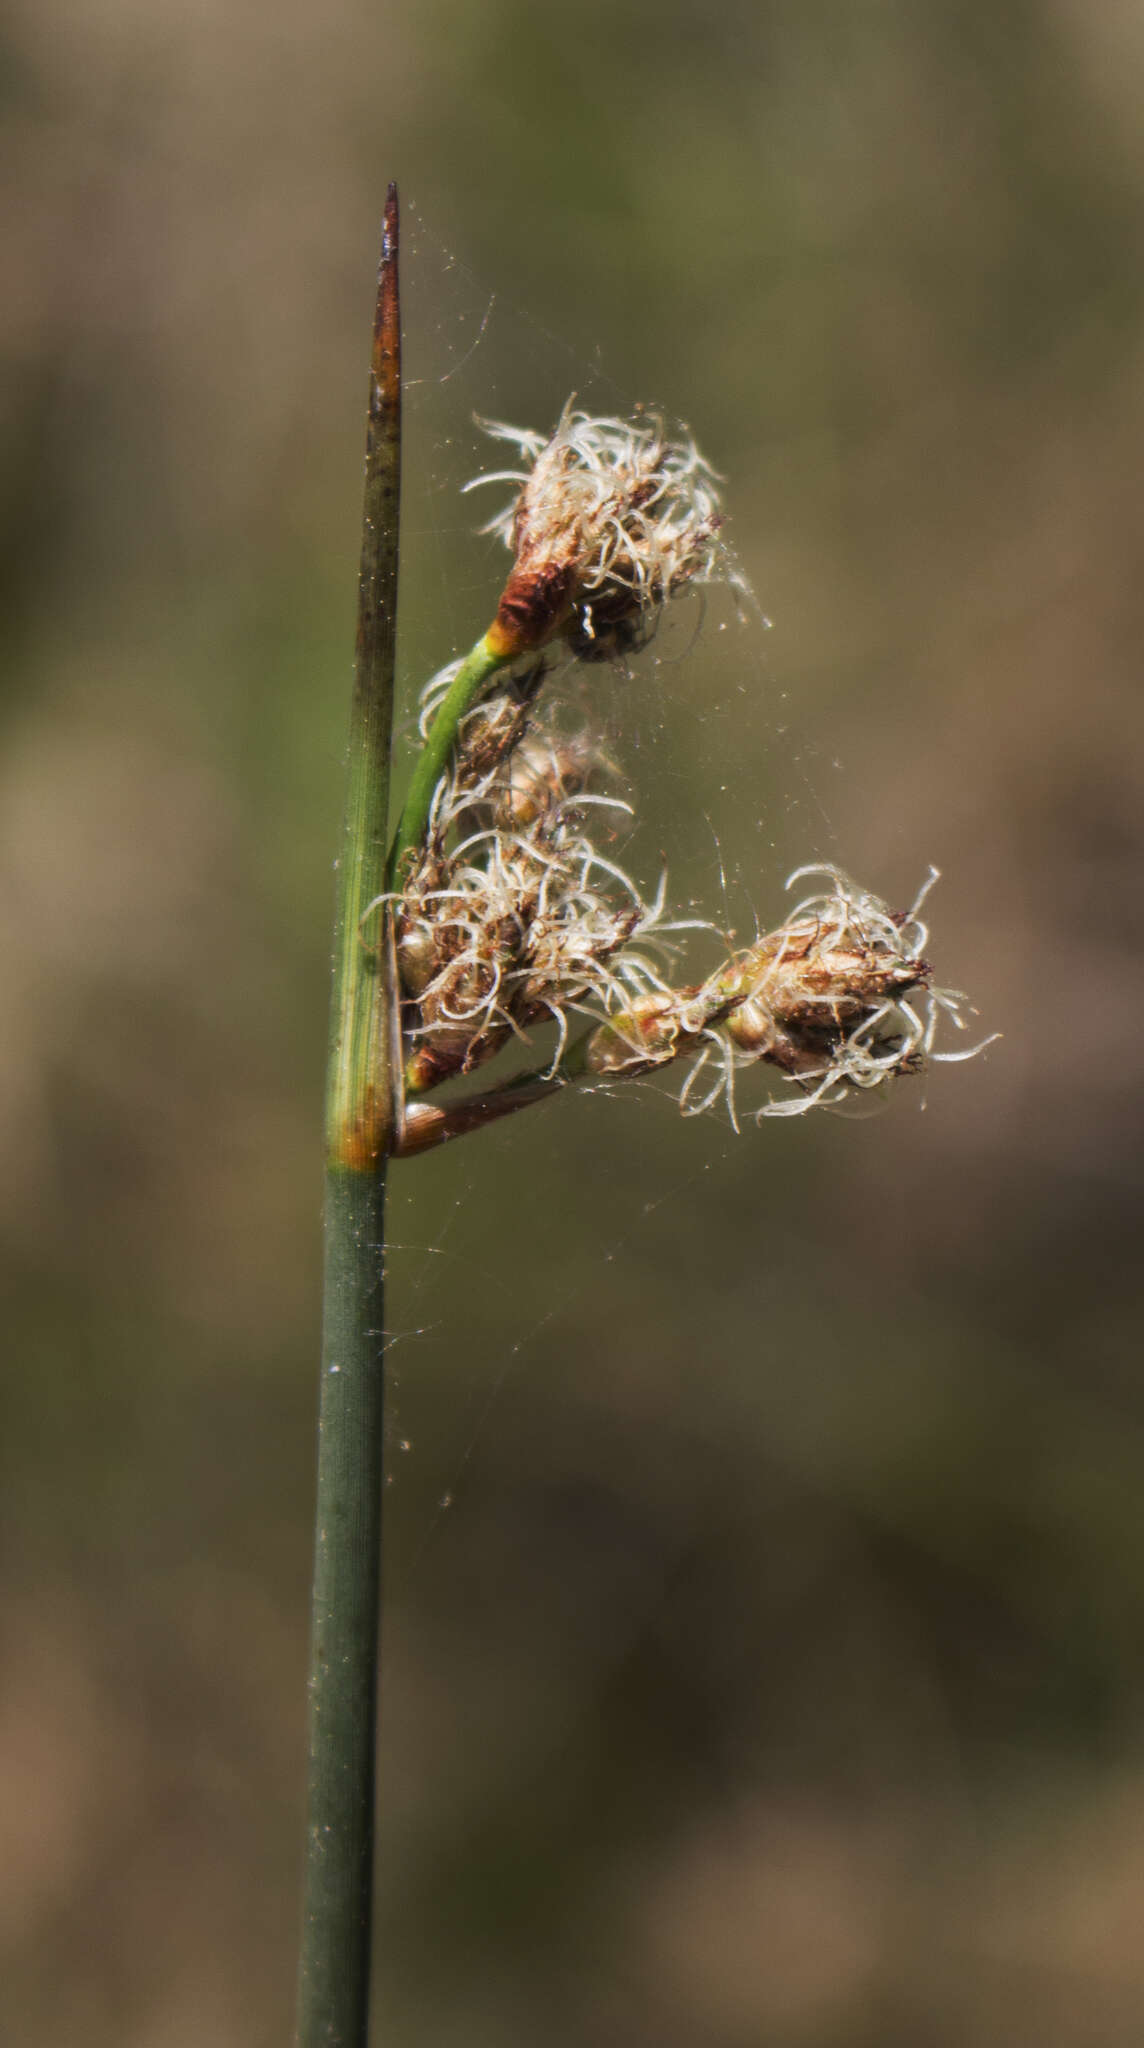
(775, 1672)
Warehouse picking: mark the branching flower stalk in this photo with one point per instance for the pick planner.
(502, 915)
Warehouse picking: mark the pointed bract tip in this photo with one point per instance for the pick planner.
(390, 226)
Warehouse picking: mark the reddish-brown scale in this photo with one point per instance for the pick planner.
(534, 603)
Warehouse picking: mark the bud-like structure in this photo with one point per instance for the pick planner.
(546, 771)
(650, 1031)
(610, 521)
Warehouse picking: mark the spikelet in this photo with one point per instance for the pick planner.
(610, 521)
(840, 998)
(517, 922)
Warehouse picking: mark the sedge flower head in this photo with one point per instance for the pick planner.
(839, 999)
(610, 520)
(517, 923)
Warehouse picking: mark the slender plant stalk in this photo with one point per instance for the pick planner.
(333, 1986)
(480, 663)
(428, 1124)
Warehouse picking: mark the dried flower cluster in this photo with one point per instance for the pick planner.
(839, 999)
(610, 521)
(513, 916)
(509, 916)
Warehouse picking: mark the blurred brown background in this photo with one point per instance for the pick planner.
(775, 1675)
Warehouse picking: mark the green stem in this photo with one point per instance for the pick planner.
(333, 1986)
(481, 662)
(334, 1969)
